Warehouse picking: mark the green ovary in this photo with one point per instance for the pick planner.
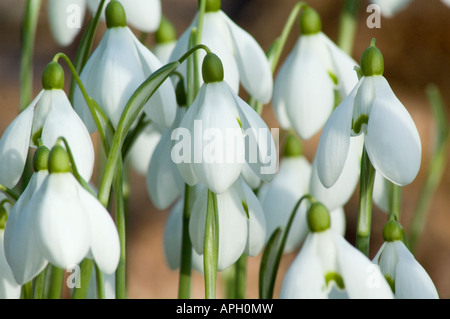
(332, 276)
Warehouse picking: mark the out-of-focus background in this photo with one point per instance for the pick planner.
(416, 48)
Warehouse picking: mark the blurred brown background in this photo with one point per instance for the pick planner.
(416, 47)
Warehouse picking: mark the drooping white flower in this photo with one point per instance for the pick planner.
(49, 116)
(173, 233)
(391, 138)
(66, 19)
(243, 59)
(116, 68)
(408, 279)
(219, 134)
(144, 15)
(327, 261)
(304, 88)
(242, 225)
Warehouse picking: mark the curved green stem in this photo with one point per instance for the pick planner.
(364, 221)
(29, 24)
(9, 192)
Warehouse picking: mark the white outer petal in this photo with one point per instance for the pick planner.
(305, 278)
(338, 220)
(334, 143)
(20, 242)
(255, 72)
(143, 148)
(281, 90)
(362, 278)
(389, 8)
(411, 279)
(279, 197)
(63, 230)
(14, 146)
(63, 121)
(163, 51)
(197, 220)
(380, 193)
(9, 288)
(66, 19)
(392, 140)
(104, 238)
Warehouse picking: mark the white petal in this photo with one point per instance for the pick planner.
(105, 245)
(164, 182)
(217, 139)
(362, 278)
(163, 51)
(279, 197)
(9, 288)
(20, 241)
(305, 278)
(197, 220)
(143, 147)
(343, 189)
(281, 90)
(255, 72)
(338, 220)
(260, 151)
(392, 141)
(446, 2)
(66, 19)
(381, 193)
(411, 279)
(309, 100)
(389, 8)
(63, 121)
(334, 143)
(63, 229)
(250, 177)
(14, 146)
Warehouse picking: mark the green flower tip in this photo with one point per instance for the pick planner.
(53, 76)
(392, 231)
(211, 5)
(310, 22)
(115, 15)
(372, 62)
(58, 160)
(40, 159)
(318, 218)
(166, 32)
(292, 146)
(212, 68)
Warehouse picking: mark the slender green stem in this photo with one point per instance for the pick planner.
(85, 47)
(86, 267)
(395, 201)
(211, 246)
(121, 228)
(364, 221)
(39, 285)
(26, 292)
(436, 168)
(348, 25)
(56, 280)
(9, 192)
(100, 283)
(184, 284)
(240, 277)
(29, 25)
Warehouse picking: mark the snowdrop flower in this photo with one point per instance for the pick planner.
(327, 261)
(242, 226)
(9, 288)
(304, 88)
(244, 60)
(173, 233)
(49, 116)
(144, 15)
(407, 278)
(219, 134)
(115, 70)
(65, 19)
(165, 41)
(279, 197)
(391, 138)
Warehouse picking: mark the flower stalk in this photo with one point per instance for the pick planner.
(211, 246)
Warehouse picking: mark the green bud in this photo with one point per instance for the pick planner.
(372, 62)
(40, 159)
(310, 22)
(318, 218)
(392, 231)
(180, 93)
(292, 146)
(53, 76)
(58, 160)
(211, 5)
(115, 15)
(212, 68)
(166, 32)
